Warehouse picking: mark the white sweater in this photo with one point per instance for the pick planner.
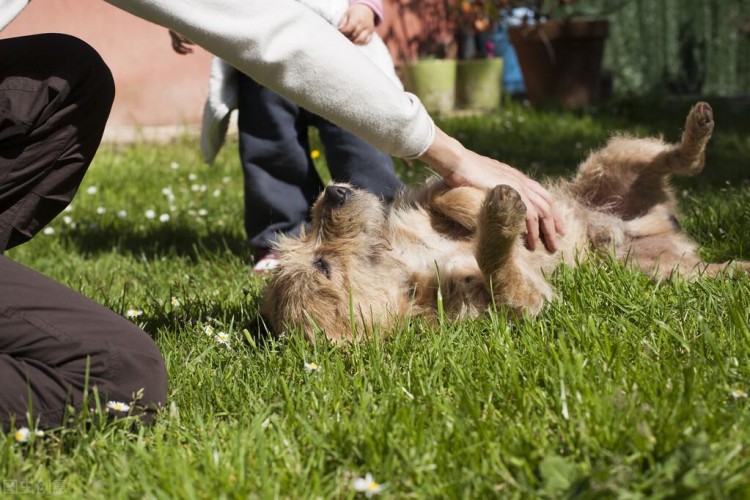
(223, 84)
(290, 49)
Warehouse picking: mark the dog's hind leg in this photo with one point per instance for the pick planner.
(629, 176)
(501, 223)
(689, 156)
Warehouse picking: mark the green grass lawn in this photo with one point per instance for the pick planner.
(621, 387)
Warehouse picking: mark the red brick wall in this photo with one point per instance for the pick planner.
(155, 86)
(414, 28)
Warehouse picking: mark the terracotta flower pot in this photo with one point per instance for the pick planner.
(561, 61)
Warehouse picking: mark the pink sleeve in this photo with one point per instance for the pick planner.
(375, 5)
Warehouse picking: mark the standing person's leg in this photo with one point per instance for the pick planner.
(55, 97)
(280, 178)
(350, 159)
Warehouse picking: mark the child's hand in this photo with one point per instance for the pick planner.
(358, 24)
(180, 44)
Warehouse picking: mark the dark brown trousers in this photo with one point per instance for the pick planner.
(55, 97)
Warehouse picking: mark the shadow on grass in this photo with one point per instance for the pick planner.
(174, 240)
(249, 322)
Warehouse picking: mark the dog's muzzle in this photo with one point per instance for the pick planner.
(336, 196)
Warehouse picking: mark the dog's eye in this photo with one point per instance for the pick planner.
(323, 267)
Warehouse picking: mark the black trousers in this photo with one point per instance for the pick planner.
(281, 182)
(55, 97)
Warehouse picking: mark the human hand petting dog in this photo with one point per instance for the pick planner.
(358, 24)
(460, 166)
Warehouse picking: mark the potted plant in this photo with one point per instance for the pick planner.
(448, 70)
(479, 72)
(560, 51)
(431, 75)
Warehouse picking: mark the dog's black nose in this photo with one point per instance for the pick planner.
(337, 195)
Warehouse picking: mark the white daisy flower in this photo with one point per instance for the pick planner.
(49, 231)
(122, 214)
(217, 193)
(150, 214)
(192, 176)
(22, 435)
(222, 338)
(312, 367)
(67, 219)
(738, 394)
(208, 330)
(167, 191)
(176, 302)
(91, 190)
(367, 486)
(69, 208)
(202, 212)
(164, 218)
(101, 210)
(133, 313)
(174, 165)
(118, 406)
(226, 180)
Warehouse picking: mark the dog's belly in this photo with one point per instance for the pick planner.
(451, 257)
(423, 251)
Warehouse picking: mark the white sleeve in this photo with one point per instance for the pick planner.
(286, 47)
(9, 10)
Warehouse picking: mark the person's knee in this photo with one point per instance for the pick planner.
(78, 62)
(139, 374)
(148, 378)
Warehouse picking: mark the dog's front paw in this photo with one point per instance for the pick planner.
(504, 208)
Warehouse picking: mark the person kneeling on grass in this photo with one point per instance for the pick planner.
(55, 96)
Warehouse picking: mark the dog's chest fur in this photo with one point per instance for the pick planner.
(423, 250)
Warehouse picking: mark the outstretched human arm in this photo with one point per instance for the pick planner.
(290, 49)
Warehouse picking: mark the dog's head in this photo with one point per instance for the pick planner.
(325, 277)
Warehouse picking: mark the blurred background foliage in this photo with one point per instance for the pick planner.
(676, 47)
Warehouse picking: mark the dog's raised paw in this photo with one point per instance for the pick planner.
(700, 121)
(505, 206)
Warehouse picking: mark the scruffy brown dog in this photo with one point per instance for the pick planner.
(365, 264)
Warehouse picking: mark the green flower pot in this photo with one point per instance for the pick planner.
(479, 83)
(434, 82)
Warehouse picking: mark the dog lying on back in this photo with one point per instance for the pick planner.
(364, 264)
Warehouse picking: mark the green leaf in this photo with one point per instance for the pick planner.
(558, 473)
